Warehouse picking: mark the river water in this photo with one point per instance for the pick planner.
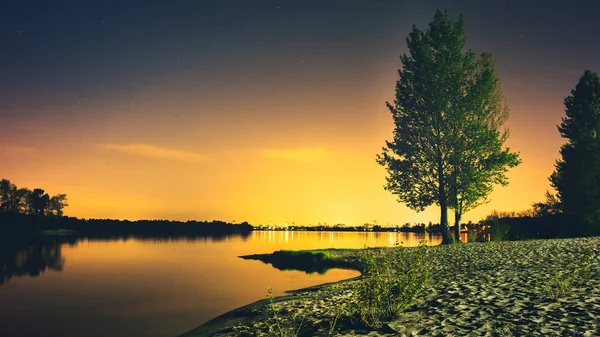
(153, 287)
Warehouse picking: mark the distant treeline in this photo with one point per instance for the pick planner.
(407, 228)
(24, 224)
(25, 212)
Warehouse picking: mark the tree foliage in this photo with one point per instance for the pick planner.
(25, 201)
(448, 114)
(577, 173)
(550, 206)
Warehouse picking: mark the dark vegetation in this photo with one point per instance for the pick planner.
(26, 213)
(302, 260)
(23, 224)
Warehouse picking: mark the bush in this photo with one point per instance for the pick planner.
(499, 231)
(393, 278)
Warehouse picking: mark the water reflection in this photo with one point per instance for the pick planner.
(345, 239)
(31, 259)
(152, 286)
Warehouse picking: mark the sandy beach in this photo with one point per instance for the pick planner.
(478, 289)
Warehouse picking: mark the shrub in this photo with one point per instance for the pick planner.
(393, 278)
(499, 231)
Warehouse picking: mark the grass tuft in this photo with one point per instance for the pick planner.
(393, 278)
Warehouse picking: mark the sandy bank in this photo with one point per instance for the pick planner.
(479, 289)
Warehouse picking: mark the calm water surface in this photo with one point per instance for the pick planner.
(140, 287)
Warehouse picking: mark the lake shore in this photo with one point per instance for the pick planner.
(478, 289)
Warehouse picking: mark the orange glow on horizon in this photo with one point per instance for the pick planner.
(182, 170)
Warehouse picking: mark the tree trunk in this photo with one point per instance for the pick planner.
(457, 215)
(446, 235)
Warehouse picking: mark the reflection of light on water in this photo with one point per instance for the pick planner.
(330, 239)
(392, 238)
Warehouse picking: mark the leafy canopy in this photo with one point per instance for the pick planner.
(448, 114)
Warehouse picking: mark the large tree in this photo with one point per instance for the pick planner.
(577, 173)
(479, 160)
(448, 113)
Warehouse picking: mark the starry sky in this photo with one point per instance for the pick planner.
(259, 110)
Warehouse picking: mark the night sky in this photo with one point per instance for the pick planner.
(265, 111)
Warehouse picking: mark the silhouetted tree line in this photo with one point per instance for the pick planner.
(33, 202)
(549, 226)
(12, 224)
(27, 212)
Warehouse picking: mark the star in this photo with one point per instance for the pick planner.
(521, 36)
(102, 21)
(21, 32)
(178, 61)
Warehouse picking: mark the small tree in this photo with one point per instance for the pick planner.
(56, 204)
(577, 173)
(7, 195)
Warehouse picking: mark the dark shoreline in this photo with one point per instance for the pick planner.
(247, 312)
(225, 321)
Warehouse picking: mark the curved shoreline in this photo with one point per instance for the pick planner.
(226, 320)
(479, 289)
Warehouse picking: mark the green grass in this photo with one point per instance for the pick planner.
(561, 283)
(393, 278)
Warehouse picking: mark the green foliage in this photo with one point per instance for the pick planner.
(499, 231)
(281, 324)
(393, 278)
(448, 114)
(578, 274)
(577, 173)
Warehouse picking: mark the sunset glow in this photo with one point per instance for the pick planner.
(267, 120)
